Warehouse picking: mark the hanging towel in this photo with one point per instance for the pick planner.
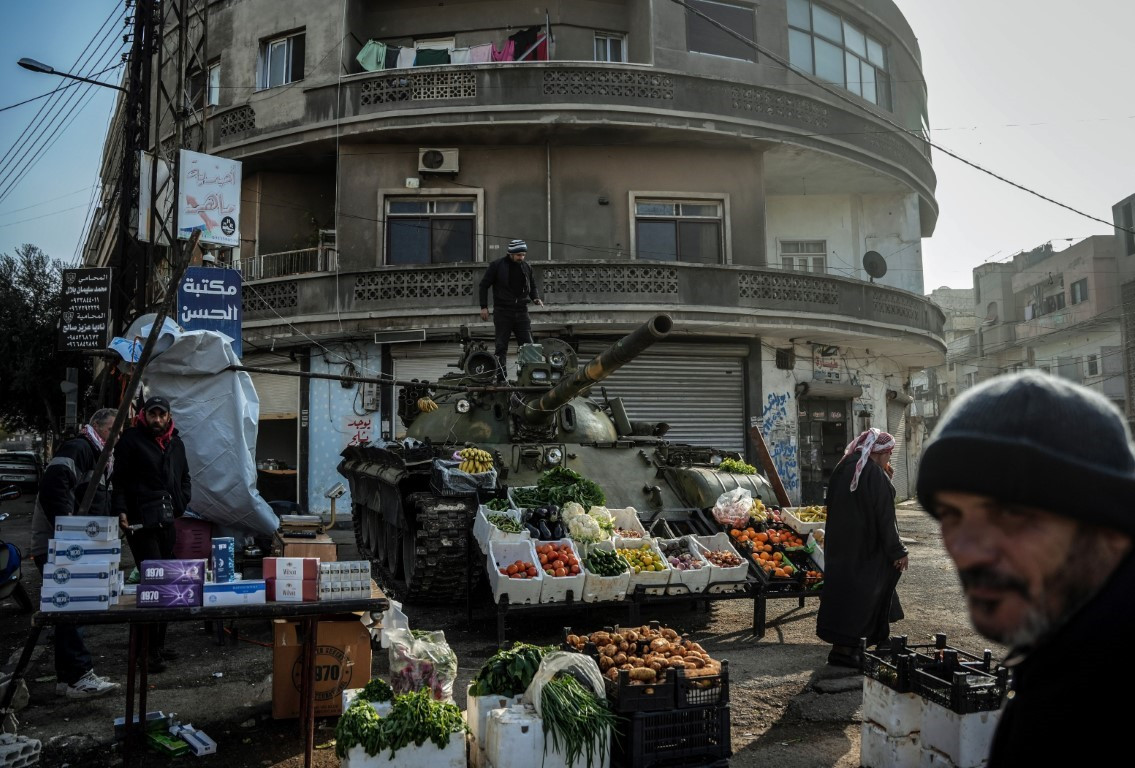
(392, 57)
(373, 56)
(460, 56)
(479, 54)
(506, 53)
(430, 56)
(406, 58)
(523, 40)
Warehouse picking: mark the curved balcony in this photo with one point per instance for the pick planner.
(533, 100)
(608, 296)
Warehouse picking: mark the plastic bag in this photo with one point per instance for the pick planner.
(448, 480)
(582, 667)
(732, 508)
(392, 619)
(420, 660)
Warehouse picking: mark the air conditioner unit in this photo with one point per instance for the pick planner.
(437, 161)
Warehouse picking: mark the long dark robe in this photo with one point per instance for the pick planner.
(861, 545)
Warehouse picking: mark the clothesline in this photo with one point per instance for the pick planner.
(527, 45)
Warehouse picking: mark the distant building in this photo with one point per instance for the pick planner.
(1123, 213)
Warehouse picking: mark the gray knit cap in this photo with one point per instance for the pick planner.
(517, 246)
(1037, 440)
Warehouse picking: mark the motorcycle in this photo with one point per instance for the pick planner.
(11, 558)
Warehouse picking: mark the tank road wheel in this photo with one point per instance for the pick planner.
(435, 547)
(361, 522)
(392, 549)
(378, 543)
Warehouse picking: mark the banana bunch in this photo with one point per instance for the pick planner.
(812, 514)
(757, 512)
(475, 460)
(426, 405)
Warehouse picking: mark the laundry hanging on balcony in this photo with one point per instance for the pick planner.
(372, 57)
(530, 44)
(428, 57)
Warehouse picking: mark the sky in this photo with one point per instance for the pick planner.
(1036, 91)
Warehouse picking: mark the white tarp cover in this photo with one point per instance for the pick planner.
(215, 412)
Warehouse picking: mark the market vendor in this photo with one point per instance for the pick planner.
(864, 557)
(1032, 480)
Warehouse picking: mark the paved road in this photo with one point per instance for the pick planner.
(788, 708)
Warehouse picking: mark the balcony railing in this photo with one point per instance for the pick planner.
(284, 263)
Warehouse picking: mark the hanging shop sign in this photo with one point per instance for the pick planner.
(208, 198)
(85, 316)
(209, 299)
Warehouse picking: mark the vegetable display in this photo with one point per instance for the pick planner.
(722, 558)
(415, 718)
(558, 486)
(645, 653)
(604, 562)
(642, 558)
(521, 569)
(497, 505)
(736, 467)
(680, 558)
(596, 524)
(510, 671)
(544, 522)
(377, 690)
(627, 533)
(579, 723)
(505, 523)
(558, 560)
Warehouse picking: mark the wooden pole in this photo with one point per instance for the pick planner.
(769, 467)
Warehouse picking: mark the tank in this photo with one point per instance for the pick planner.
(419, 536)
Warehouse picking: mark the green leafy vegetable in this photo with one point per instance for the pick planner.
(575, 718)
(737, 467)
(505, 523)
(510, 671)
(414, 719)
(377, 690)
(497, 505)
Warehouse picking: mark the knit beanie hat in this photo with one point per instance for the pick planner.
(1037, 440)
(517, 246)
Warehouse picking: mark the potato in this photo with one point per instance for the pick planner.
(697, 662)
(605, 663)
(677, 650)
(669, 634)
(623, 646)
(612, 674)
(620, 658)
(573, 640)
(600, 638)
(660, 645)
(609, 650)
(657, 666)
(696, 647)
(645, 675)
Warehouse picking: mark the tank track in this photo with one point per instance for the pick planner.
(441, 540)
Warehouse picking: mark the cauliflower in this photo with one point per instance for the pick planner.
(604, 519)
(584, 529)
(570, 510)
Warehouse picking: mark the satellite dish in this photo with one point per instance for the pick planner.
(874, 264)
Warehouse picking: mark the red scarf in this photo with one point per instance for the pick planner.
(163, 439)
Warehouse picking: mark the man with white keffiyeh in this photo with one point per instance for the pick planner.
(863, 555)
(61, 490)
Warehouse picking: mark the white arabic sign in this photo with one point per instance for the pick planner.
(209, 198)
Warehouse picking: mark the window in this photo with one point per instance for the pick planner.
(830, 47)
(1092, 363)
(703, 37)
(669, 230)
(281, 61)
(435, 230)
(804, 255)
(610, 46)
(941, 390)
(204, 87)
(1080, 291)
(971, 380)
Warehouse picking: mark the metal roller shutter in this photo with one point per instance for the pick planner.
(279, 395)
(701, 397)
(896, 425)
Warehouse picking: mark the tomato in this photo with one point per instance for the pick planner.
(511, 569)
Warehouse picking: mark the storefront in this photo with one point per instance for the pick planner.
(825, 427)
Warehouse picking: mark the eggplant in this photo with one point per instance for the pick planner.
(545, 532)
(533, 531)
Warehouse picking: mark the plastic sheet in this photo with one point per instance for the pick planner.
(732, 507)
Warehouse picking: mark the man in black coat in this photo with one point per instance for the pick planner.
(513, 286)
(863, 556)
(61, 490)
(151, 472)
(1032, 480)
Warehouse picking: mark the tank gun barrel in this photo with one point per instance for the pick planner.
(542, 408)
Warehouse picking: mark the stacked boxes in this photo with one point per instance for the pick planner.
(82, 571)
(292, 579)
(171, 584)
(345, 580)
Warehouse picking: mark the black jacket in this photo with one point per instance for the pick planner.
(62, 488)
(142, 468)
(1084, 666)
(496, 277)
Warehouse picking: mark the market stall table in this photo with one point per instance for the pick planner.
(140, 619)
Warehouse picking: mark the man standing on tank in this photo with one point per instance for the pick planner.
(513, 286)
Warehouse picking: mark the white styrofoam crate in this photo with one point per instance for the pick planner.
(932, 758)
(964, 739)
(654, 581)
(694, 580)
(504, 553)
(484, 531)
(717, 542)
(627, 519)
(899, 714)
(516, 740)
(789, 518)
(878, 750)
(598, 588)
(411, 756)
(381, 708)
(477, 716)
(817, 550)
(555, 588)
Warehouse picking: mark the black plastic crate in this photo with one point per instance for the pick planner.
(703, 690)
(896, 666)
(678, 737)
(628, 697)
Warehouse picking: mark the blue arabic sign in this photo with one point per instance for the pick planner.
(209, 299)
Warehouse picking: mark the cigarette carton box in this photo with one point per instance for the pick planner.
(236, 593)
(86, 528)
(169, 595)
(293, 590)
(75, 551)
(291, 568)
(69, 598)
(90, 575)
(173, 572)
(224, 559)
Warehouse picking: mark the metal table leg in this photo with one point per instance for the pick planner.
(307, 689)
(21, 666)
(760, 614)
(131, 673)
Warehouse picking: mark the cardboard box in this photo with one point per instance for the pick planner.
(291, 568)
(236, 593)
(169, 595)
(173, 572)
(89, 575)
(74, 551)
(293, 590)
(342, 661)
(71, 598)
(322, 547)
(86, 528)
(224, 559)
